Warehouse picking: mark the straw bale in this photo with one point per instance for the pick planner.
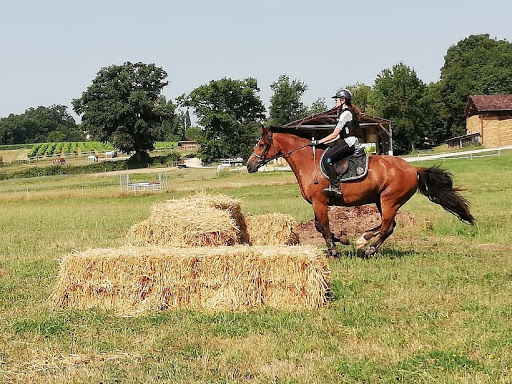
(199, 220)
(133, 280)
(272, 229)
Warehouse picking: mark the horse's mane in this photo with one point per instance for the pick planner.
(291, 131)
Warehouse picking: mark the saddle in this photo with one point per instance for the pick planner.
(349, 168)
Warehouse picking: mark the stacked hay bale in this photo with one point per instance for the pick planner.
(138, 279)
(272, 229)
(188, 253)
(198, 221)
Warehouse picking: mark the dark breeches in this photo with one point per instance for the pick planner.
(333, 154)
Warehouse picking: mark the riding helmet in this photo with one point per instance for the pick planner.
(343, 93)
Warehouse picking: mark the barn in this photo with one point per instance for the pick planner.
(488, 121)
(377, 132)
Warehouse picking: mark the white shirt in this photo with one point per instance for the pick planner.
(344, 118)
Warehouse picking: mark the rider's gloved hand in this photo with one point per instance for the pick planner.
(313, 143)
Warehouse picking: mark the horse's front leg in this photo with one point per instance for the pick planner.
(322, 226)
(367, 236)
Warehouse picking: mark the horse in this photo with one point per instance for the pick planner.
(389, 183)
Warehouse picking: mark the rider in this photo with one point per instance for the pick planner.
(343, 141)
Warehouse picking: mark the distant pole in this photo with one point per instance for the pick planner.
(28, 195)
(82, 190)
(390, 151)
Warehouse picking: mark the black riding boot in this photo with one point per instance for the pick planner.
(333, 178)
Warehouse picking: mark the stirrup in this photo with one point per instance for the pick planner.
(333, 190)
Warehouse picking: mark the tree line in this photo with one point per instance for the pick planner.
(125, 106)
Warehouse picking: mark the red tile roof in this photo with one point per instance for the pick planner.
(488, 103)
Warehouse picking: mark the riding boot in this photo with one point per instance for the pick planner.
(333, 178)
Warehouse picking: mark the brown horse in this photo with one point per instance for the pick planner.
(389, 183)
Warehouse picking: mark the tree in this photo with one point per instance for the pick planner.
(360, 94)
(163, 131)
(228, 111)
(285, 103)
(399, 95)
(39, 124)
(475, 65)
(124, 106)
(318, 106)
(439, 130)
(180, 126)
(193, 134)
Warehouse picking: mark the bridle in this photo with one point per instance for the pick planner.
(262, 159)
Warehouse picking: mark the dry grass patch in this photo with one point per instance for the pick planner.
(59, 368)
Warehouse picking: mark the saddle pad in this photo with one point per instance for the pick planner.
(357, 167)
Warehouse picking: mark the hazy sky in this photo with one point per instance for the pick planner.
(51, 50)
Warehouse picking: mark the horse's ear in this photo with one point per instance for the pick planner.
(265, 134)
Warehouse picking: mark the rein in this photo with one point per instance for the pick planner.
(263, 158)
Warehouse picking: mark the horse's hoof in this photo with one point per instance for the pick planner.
(333, 253)
(361, 242)
(369, 252)
(344, 239)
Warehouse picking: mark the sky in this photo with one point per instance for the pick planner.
(50, 51)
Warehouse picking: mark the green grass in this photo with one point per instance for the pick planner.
(434, 306)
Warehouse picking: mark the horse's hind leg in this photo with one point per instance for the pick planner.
(322, 226)
(386, 229)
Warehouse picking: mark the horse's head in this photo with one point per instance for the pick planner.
(263, 152)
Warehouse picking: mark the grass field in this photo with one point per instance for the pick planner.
(434, 306)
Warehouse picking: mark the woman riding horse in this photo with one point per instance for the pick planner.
(389, 183)
(343, 140)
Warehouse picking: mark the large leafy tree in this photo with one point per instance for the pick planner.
(438, 131)
(475, 65)
(285, 102)
(399, 95)
(228, 111)
(39, 125)
(124, 105)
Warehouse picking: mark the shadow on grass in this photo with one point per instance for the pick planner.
(383, 253)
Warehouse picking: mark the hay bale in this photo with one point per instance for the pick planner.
(200, 220)
(140, 279)
(272, 229)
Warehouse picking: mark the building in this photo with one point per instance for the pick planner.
(377, 132)
(488, 121)
(188, 145)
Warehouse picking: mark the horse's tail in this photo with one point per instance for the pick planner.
(437, 185)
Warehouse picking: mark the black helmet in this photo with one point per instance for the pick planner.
(343, 93)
